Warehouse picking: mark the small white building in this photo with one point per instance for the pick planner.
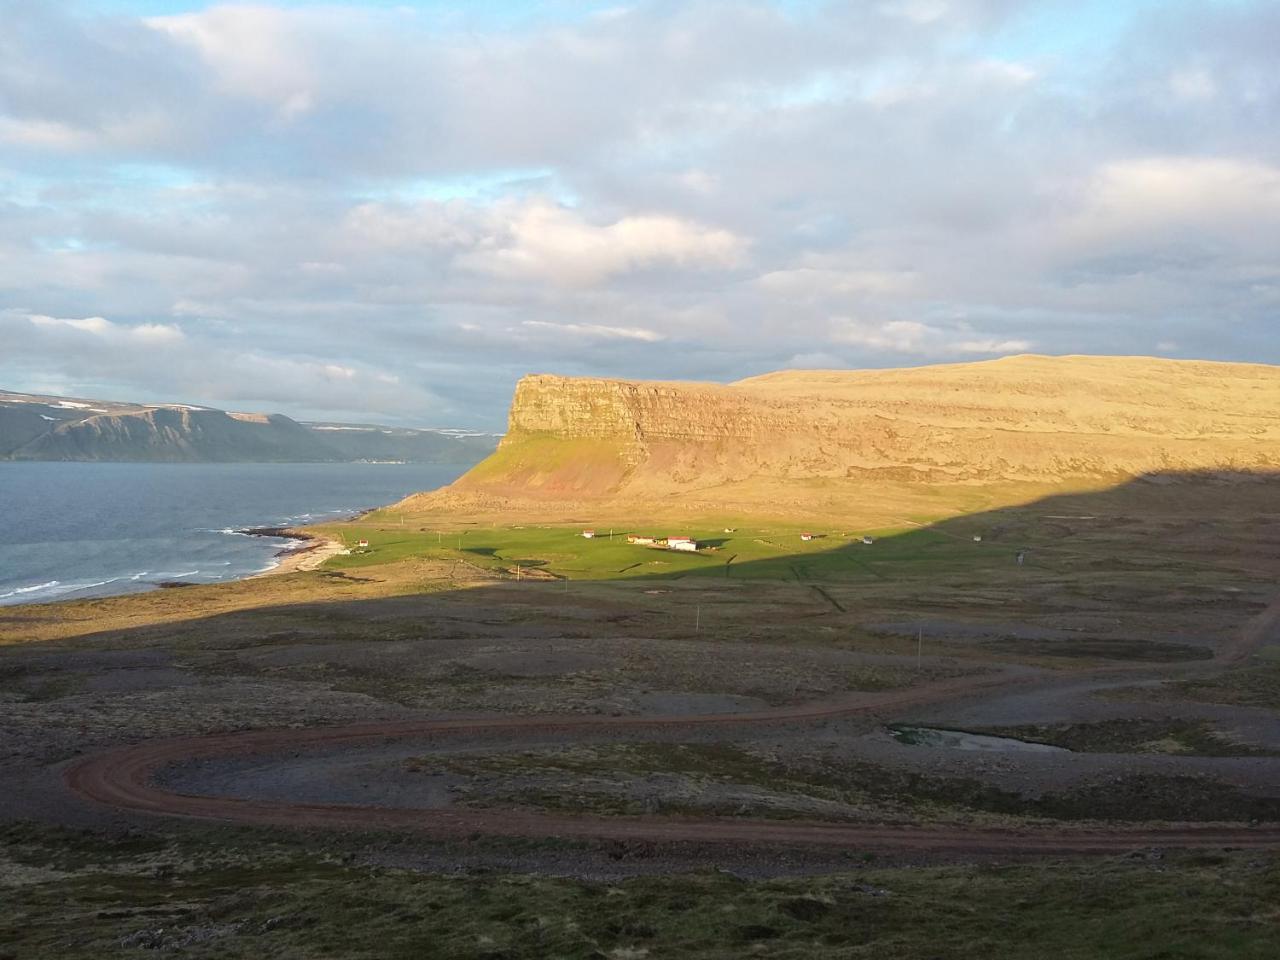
(687, 544)
(977, 538)
(589, 534)
(806, 537)
(362, 544)
(868, 541)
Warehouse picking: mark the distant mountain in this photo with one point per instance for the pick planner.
(63, 428)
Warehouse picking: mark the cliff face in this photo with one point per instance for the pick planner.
(1021, 419)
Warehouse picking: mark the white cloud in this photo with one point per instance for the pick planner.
(257, 52)
(1150, 194)
(1193, 83)
(819, 282)
(147, 333)
(52, 134)
(814, 361)
(595, 330)
(548, 242)
(900, 336)
(913, 337)
(991, 345)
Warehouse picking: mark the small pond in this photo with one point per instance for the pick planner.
(960, 740)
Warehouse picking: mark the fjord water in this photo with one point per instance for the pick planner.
(74, 530)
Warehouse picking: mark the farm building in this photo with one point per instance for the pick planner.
(589, 534)
(868, 541)
(642, 541)
(806, 537)
(687, 544)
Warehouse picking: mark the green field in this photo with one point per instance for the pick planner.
(762, 553)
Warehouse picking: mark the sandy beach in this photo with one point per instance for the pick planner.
(317, 550)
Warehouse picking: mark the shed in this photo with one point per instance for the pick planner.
(589, 534)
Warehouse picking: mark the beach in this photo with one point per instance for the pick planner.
(314, 551)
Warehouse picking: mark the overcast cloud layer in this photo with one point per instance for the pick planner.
(392, 212)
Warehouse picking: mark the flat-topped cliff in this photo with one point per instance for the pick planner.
(1027, 419)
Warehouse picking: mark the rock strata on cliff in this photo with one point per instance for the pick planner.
(1032, 420)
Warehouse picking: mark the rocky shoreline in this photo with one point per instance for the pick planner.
(317, 549)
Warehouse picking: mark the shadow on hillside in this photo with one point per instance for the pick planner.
(1199, 541)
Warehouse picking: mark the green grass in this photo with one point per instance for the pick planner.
(760, 553)
(252, 896)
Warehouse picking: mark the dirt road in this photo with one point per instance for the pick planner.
(124, 778)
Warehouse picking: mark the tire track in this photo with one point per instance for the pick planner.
(124, 778)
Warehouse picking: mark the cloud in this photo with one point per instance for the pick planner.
(913, 337)
(595, 330)
(395, 212)
(548, 242)
(146, 333)
(1162, 193)
(814, 361)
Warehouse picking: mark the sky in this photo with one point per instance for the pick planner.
(390, 211)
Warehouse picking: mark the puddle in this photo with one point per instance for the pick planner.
(959, 740)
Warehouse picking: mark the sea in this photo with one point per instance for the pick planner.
(75, 530)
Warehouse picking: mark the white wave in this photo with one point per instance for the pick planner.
(48, 591)
(17, 591)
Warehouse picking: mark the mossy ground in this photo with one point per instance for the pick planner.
(721, 779)
(1255, 685)
(75, 897)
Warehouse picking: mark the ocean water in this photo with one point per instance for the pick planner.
(74, 530)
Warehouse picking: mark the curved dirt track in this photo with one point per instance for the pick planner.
(123, 778)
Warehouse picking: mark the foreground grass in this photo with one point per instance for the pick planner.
(609, 780)
(1252, 686)
(72, 896)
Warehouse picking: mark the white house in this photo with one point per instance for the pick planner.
(589, 534)
(806, 537)
(687, 544)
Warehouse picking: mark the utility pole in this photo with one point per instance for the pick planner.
(697, 619)
(919, 649)
(517, 573)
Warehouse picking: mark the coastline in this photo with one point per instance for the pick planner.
(191, 529)
(318, 548)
